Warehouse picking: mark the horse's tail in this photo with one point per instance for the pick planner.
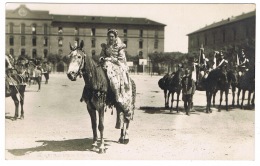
(133, 93)
(161, 83)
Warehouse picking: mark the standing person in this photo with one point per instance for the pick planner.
(46, 70)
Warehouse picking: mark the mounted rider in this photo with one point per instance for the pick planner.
(202, 66)
(221, 63)
(243, 63)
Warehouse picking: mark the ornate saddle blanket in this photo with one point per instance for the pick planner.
(117, 80)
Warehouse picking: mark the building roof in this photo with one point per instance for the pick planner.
(103, 19)
(225, 22)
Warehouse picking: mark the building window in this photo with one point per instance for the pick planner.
(125, 32)
(214, 38)
(34, 53)
(76, 31)
(156, 33)
(140, 54)
(60, 42)
(60, 30)
(22, 40)
(60, 52)
(34, 29)
(234, 34)
(22, 28)
(93, 52)
(141, 33)
(34, 40)
(11, 28)
(93, 32)
(45, 41)
(45, 29)
(206, 40)
(247, 32)
(11, 51)
(125, 42)
(140, 44)
(156, 44)
(224, 36)
(22, 52)
(45, 53)
(11, 40)
(93, 43)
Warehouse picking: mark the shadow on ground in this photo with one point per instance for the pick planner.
(59, 146)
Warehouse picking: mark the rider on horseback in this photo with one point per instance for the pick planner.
(222, 65)
(244, 62)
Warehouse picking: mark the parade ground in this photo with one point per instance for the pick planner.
(56, 126)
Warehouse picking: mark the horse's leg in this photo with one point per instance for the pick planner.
(220, 100)
(238, 94)
(93, 117)
(177, 104)
(214, 96)
(101, 129)
(253, 100)
(189, 104)
(166, 99)
(226, 95)
(243, 97)
(172, 94)
(16, 103)
(233, 95)
(249, 99)
(22, 90)
(39, 79)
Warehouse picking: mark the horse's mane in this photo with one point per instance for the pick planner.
(95, 75)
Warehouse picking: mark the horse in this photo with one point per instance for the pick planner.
(163, 84)
(188, 90)
(15, 84)
(246, 83)
(224, 87)
(173, 85)
(212, 83)
(97, 93)
(35, 74)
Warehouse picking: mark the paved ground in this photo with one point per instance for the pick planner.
(57, 127)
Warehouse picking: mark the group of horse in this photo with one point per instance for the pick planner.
(214, 82)
(19, 74)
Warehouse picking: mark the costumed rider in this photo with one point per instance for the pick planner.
(243, 64)
(113, 60)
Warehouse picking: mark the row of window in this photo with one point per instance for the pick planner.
(60, 42)
(60, 52)
(60, 30)
(223, 35)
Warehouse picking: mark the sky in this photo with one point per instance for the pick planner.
(180, 19)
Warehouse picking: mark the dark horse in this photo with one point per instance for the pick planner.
(215, 81)
(171, 84)
(96, 93)
(15, 84)
(224, 87)
(246, 82)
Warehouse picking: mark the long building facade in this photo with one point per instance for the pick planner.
(37, 34)
(230, 32)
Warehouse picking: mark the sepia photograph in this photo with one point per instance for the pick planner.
(129, 81)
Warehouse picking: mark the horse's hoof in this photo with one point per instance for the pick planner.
(121, 140)
(126, 141)
(22, 117)
(94, 148)
(101, 151)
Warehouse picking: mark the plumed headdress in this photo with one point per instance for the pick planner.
(114, 31)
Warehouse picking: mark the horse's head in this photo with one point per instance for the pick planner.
(76, 63)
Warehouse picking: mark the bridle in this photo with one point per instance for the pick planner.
(82, 63)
